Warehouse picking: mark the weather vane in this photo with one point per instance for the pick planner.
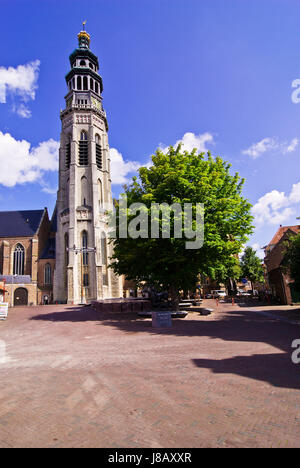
(83, 25)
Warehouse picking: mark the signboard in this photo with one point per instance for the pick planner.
(161, 319)
(3, 309)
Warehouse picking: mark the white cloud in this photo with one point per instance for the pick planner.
(22, 111)
(270, 144)
(257, 149)
(20, 82)
(276, 207)
(295, 193)
(259, 251)
(191, 141)
(119, 168)
(292, 146)
(21, 164)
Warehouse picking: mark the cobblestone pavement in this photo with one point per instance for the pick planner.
(70, 377)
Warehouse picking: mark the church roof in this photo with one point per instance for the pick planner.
(281, 231)
(16, 279)
(20, 223)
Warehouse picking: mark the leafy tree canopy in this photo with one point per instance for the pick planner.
(293, 259)
(186, 177)
(251, 266)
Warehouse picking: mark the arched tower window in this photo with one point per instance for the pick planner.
(85, 83)
(96, 87)
(92, 84)
(98, 152)
(66, 252)
(85, 199)
(79, 82)
(68, 152)
(83, 149)
(82, 63)
(85, 258)
(104, 259)
(85, 255)
(19, 260)
(100, 193)
(48, 274)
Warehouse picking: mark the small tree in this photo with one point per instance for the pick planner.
(185, 177)
(292, 259)
(251, 266)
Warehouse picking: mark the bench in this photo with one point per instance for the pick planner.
(3, 310)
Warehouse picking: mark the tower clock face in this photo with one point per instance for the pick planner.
(96, 103)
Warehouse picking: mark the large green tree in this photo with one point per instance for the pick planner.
(185, 177)
(251, 266)
(292, 259)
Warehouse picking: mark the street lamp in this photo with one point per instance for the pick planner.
(82, 250)
(12, 290)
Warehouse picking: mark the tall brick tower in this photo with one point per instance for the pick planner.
(84, 193)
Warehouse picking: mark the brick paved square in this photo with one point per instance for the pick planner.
(73, 377)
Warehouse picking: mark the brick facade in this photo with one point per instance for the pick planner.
(33, 264)
(278, 276)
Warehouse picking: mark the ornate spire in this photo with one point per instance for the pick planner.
(84, 38)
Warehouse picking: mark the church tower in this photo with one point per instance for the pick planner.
(84, 192)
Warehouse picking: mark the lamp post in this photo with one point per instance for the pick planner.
(12, 290)
(82, 250)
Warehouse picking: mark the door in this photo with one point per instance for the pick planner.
(20, 297)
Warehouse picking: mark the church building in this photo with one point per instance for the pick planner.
(66, 259)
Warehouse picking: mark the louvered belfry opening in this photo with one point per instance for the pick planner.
(98, 153)
(83, 150)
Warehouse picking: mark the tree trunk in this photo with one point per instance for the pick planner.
(174, 298)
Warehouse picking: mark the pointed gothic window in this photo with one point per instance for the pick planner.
(100, 193)
(104, 259)
(66, 259)
(19, 257)
(83, 149)
(85, 255)
(48, 274)
(98, 152)
(85, 259)
(85, 199)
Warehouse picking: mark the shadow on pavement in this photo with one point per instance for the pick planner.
(232, 326)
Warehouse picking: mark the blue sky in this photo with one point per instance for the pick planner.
(216, 73)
